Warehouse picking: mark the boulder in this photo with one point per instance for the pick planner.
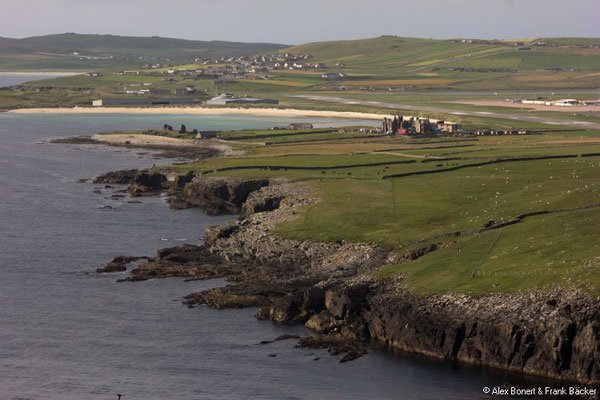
(147, 181)
(323, 322)
(118, 264)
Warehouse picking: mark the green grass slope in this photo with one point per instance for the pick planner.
(56, 51)
(391, 61)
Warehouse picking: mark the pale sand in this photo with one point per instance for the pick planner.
(279, 112)
(165, 141)
(143, 140)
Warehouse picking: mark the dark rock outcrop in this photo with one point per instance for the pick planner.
(187, 261)
(214, 195)
(285, 336)
(147, 182)
(335, 345)
(118, 264)
(138, 181)
(223, 231)
(261, 201)
(220, 195)
(122, 177)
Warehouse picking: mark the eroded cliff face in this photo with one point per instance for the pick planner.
(537, 333)
(219, 195)
(333, 289)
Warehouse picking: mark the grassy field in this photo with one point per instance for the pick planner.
(396, 61)
(459, 210)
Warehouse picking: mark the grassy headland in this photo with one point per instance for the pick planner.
(496, 214)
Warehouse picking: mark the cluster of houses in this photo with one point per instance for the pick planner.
(412, 126)
(266, 62)
(419, 126)
(228, 69)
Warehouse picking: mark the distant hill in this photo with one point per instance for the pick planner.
(74, 51)
(396, 54)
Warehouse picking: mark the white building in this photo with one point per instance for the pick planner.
(566, 103)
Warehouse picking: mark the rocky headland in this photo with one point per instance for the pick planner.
(334, 289)
(164, 147)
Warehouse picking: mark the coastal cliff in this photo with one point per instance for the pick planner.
(334, 289)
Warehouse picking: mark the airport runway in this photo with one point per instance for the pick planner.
(422, 108)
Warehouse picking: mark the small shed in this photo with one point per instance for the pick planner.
(300, 125)
(450, 127)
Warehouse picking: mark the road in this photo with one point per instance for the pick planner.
(508, 115)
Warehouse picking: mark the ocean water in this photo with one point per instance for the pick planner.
(7, 80)
(69, 334)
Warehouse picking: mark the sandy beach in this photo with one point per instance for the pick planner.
(153, 141)
(143, 140)
(287, 112)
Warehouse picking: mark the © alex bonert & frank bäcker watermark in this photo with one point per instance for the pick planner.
(540, 391)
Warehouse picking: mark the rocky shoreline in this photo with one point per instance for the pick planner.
(333, 289)
(198, 150)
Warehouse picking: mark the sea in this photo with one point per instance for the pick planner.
(67, 333)
(10, 79)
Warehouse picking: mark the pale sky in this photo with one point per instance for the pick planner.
(299, 21)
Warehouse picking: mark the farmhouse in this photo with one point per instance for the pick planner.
(422, 126)
(189, 90)
(300, 125)
(450, 127)
(392, 125)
